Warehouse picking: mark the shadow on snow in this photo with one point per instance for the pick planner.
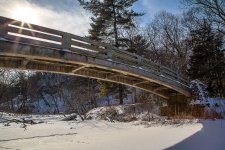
(210, 137)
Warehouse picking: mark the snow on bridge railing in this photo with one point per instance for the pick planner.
(18, 31)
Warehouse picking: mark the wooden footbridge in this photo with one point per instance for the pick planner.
(31, 47)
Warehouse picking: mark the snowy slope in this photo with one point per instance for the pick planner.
(216, 104)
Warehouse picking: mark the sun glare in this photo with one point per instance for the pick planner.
(25, 14)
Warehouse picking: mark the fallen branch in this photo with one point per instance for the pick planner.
(71, 117)
(31, 122)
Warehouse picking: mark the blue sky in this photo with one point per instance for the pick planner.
(152, 7)
(68, 16)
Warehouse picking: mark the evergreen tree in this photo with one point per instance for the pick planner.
(110, 19)
(138, 45)
(106, 89)
(207, 60)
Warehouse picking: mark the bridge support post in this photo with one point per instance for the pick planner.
(109, 53)
(24, 64)
(66, 41)
(178, 104)
(139, 61)
(3, 27)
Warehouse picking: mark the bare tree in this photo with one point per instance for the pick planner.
(167, 37)
(148, 101)
(214, 10)
(8, 80)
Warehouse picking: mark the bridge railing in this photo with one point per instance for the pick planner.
(45, 37)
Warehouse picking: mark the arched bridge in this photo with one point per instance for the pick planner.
(31, 47)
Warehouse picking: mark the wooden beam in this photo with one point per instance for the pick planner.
(24, 63)
(160, 88)
(140, 82)
(100, 70)
(79, 68)
(114, 75)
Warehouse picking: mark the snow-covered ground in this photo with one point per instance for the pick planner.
(103, 135)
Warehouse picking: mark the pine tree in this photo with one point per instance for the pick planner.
(110, 19)
(105, 89)
(207, 60)
(138, 45)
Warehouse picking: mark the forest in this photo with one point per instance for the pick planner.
(191, 43)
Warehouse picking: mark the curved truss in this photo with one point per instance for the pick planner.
(31, 47)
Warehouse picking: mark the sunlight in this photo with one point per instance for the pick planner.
(25, 14)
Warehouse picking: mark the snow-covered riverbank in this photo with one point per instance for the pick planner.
(103, 135)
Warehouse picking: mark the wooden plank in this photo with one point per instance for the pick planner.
(171, 74)
(125, 57)
(124, 53)
(101, 71)
(149, 63)
(34, 34)
(53, 62)
(90, 47)
(123, 60)
(114, 75)
(105, 45)
(168, 69)
(163, 70)
(38, 28)
(32, 41)
(46, 30)
(160, 88)
(76, 37)
(83, 52)
(182, 81)
(150, 67)
(183, 78)
(141, 82)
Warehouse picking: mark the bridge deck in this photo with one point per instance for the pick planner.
(31, 47)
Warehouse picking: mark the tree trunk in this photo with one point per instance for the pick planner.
(115, 25)
(108, 99)
(121, 93)
(117, 45)
(134, 95)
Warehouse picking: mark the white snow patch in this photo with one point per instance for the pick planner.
(161, 75)
(97, 135)
(141, 68)
(66, 50)
(109, 59)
